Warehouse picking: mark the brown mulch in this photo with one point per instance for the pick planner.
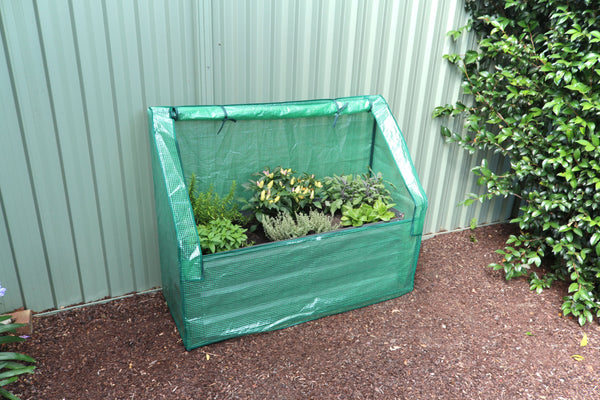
(463, 333)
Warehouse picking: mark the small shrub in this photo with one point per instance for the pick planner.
(208, 206)
(351, 191)
(283, 226)
(317, 222)
(281, 191)
(365, 213)
(221, 235)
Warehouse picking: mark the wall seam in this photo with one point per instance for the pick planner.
(119, 135)
(27, 161)
(90, 149)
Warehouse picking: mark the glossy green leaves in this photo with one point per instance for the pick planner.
(532, 97)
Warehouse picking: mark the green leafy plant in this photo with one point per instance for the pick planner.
(11, 364)
(365, 213)
(473, 224)
(284, 226)
(350, 190)
(281, 191)
(473, 227)
(221, 235)
(531, 95)
(208, 206)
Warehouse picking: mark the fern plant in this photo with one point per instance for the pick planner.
(208, 206)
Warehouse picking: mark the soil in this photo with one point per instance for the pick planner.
(463, 333)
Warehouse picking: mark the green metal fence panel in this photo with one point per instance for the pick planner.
(70, 116)
(42, 169)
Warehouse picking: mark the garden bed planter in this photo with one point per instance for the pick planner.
(276, 285)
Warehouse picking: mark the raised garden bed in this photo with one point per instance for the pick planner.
(275, 285)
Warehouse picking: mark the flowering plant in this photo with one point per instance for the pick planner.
(280, 190)
(10, 369)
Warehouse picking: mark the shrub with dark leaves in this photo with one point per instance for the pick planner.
(533, 96)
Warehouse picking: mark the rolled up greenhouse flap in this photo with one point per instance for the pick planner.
(273, 285)
(304, 109)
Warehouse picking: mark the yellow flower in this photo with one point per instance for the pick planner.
(260, 184)
(270, 184)
(318, 184)
(312, 194)
(262, 195)
(277, 199)
(270, 175)
(268, 193)
(293, 180)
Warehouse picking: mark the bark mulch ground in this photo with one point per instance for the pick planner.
(463, 333)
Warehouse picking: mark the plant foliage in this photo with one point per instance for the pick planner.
(11, 364)
(284, 226)
(350, 190)
(282, 191)
(221, 235)
(208, 206)
(366, 213)
(533, 96)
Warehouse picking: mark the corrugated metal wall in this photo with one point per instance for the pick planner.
(76, 205)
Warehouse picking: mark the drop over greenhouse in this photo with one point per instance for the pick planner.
(274, 285)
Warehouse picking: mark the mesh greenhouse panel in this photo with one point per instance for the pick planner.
(242, 148)
(383, 161)
(274, 285)
(168, 241)
(283, 283)
(391, 156)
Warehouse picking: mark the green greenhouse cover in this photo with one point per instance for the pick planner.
(270, 286)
